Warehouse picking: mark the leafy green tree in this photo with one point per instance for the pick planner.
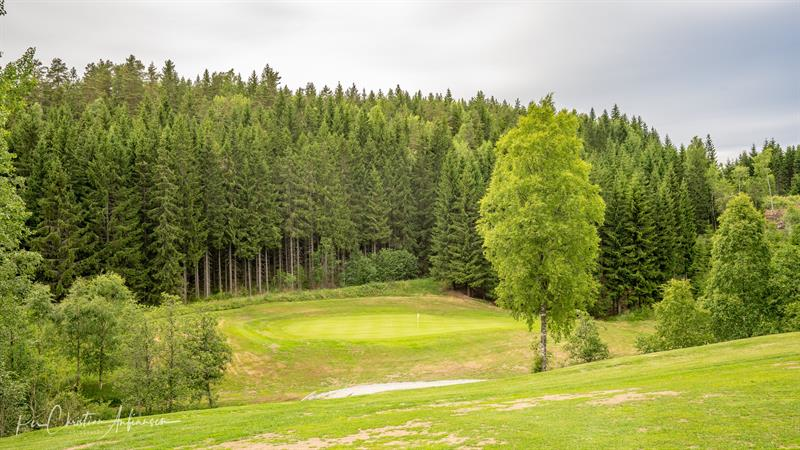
(737, 286)
(680, 321)
(93, 319)
(139, 381)
(784, 286)
(171, 375)
(208, 356)
(539, 220)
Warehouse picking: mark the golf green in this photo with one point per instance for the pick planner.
(362, 327)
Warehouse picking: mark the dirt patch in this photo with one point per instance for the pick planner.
(417, 432)
(633, 397)
(524, 403)
(91, 444)
(788, 365)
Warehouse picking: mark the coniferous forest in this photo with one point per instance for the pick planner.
(238, 185)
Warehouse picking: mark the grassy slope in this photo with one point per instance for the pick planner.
(284, 351)
(736, 394)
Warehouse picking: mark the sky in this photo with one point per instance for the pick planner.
(728, 69)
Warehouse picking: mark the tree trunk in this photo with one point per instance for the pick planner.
(230, 268)
(258, 271)
(291, 261)
(197, 279)
(206, 281)
(78, 365)
(266, 268)
(185, 282)
(219, 270)
(543, 337)
(298, 265)
(249, 278)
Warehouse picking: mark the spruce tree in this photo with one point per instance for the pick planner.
(58, 235)
(165, 248)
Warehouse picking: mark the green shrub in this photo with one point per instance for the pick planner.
(680, 321)
(537, 356)
(584, 344)
(394, 265)
(359, 270)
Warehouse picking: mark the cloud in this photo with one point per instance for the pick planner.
(729, 69)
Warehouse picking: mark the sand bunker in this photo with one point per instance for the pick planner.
(366, 389)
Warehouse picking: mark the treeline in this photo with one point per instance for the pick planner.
(222, 184)
(663, 203)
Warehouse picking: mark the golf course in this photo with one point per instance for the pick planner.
(286, 350)
(735, 394)
(739, 394)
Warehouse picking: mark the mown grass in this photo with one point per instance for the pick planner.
(739, 394)
(287, 350)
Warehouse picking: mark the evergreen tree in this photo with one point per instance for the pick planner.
(58, 235)
(166, 270)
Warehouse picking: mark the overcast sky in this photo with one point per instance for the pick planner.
(728, 69)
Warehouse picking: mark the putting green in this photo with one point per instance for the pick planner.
(384, 326)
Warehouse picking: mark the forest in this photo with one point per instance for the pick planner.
(147, 188)
(230, 185)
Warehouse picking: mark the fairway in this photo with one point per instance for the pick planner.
(739, 394)
(369, 327)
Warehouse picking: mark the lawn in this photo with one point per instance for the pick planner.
(287, 350)
(739, 394)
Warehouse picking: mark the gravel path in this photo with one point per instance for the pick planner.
(366, 389)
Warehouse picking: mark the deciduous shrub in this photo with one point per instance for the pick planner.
(393, 265)
(680, 321)
(360, 270)
(584, 344)
(385, 265)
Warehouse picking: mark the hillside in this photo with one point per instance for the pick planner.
(287, 350)
(731, 395)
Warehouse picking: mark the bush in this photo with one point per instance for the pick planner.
(584, 344)
(537, 356)
(359, 270)
(385, 265)
(680, 321)
(394, 265)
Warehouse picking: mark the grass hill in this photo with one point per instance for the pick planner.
(287, 350)
(738, 394)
